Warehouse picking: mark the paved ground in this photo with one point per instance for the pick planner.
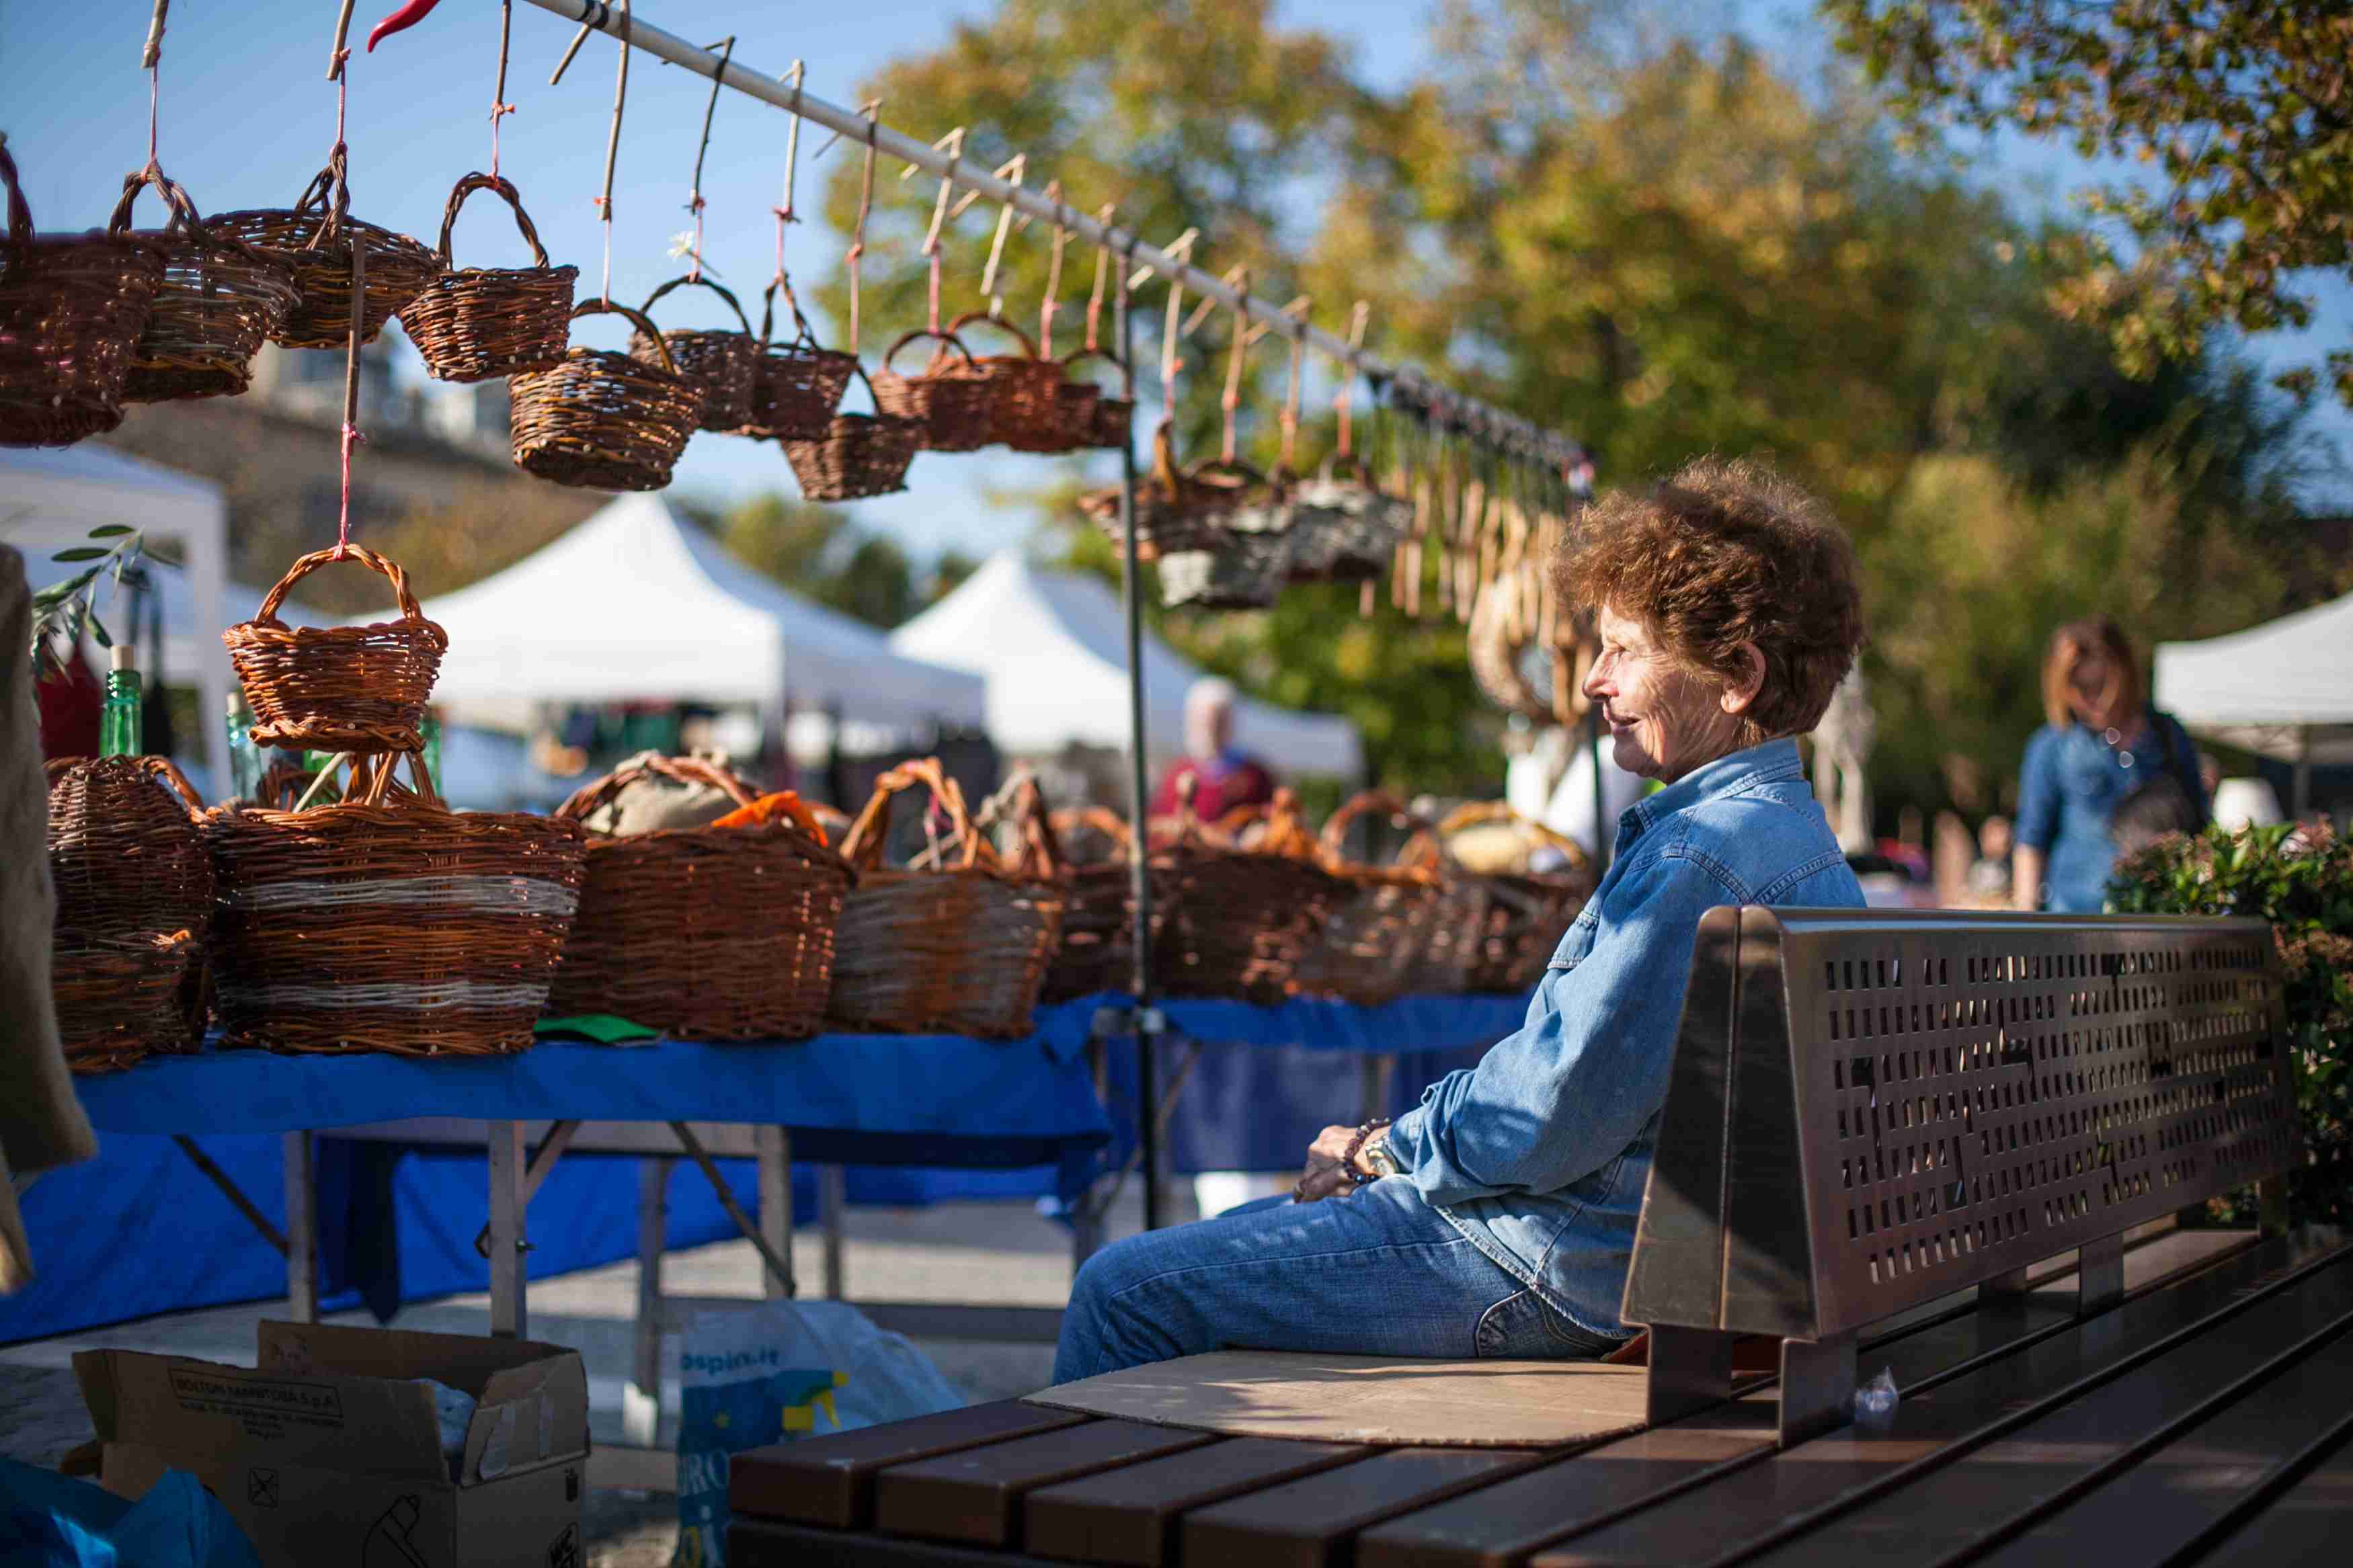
(995, 1253)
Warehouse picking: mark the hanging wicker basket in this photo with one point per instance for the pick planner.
(950, 399)
(720, 364)
(705, 933)
(796, 385)
(1093, 416)
(218, 301)
(388, 922)
(315, 238)
(134, 889)
(338, 688)
(1379, 918)
(601, 420)
(71, 310)
(1238, 571)
(1180, 510)
(1024, 395)
(859, 455)
(478, 324)
(1343, 529)
(957, 947)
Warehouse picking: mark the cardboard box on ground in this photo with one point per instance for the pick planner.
(327, 1451)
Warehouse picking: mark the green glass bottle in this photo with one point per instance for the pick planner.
(123, 723)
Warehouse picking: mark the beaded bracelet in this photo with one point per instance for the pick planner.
(1348, 1158)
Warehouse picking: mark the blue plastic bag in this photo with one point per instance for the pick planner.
(49, 1521)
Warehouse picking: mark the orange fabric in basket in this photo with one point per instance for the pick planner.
(786, 804)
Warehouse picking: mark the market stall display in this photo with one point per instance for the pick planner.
(72, 308)
(135, 892)
(478, 324)
(219, 300)
(718, 932)
(1236, 905)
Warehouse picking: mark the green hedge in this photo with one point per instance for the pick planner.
(2301, 879)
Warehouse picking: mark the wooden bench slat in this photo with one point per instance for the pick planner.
(2305, 1523)
(1986, 1444)
(1307, 1523)
(830, 1480)
(1501, 1524)
(975, 1495)
(2185, 1488)
(1128, 1516)
(771, 1544)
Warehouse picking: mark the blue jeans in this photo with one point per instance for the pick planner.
(1373, 1272)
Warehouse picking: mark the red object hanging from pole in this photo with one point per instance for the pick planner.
(408, 15)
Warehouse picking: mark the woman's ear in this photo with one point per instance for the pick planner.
(1742, 689)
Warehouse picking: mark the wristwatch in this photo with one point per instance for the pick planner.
(1379, 1161)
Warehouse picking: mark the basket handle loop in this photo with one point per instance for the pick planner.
(505, 189)
(409, 609)
(1473, 814)
(585, 801)
(1335, 828)
(637, 318)
(805, 333)
(1285, 834)
(982, 317)
(155, 768)
(184, 211)
(687, 277)
(20, 215)
(948, 341)
(1098, 818)
(863, 847)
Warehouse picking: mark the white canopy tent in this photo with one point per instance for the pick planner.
(637, 605)
(2283, 689)
(49, 501)
(1053, 645)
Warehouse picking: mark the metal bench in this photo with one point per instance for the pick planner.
(1879, 1130)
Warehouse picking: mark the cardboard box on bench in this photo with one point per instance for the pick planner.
(326, 1453)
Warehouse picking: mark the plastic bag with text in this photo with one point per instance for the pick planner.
(773, 1373)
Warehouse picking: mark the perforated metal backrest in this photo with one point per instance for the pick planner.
(1872, 1108)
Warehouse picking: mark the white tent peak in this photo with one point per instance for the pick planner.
(2277, 688)
(1053, 645)
(638, 603)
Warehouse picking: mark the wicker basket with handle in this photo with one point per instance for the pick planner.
(1097, 949)
(949, 397)
(478, 324)
(316, 238)
(1024, 397)
(1231, 920)
(958, 946)
(134, 890)
(387, 922)
(708, 933)
(218, 301)
(601, 420)
(856, 455)
(795, 386)
(722, 365)
(72, 308)
(1380, 920)
(338, 688)
(1516, 917)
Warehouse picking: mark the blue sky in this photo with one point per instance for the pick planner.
(247, 117)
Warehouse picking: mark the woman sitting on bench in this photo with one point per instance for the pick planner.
(1496, 1219)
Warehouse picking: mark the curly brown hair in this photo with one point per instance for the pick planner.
(1725, 552)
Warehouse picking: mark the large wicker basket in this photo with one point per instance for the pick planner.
(478, 324)
(856, 455)
(723, 366)
(1024, 398)
(388, 922)
(71, 310)
(1098, 946)
(1232, 921)
(218, 302)
(134, 907)
(1380, 920)
(706, 934)
(1519, 915)
(315, 238)
(338, 688)
(949, 398)
(957, 946)
(796, 385)
(601, 420)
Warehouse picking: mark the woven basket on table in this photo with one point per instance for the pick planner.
(478, 324)
(601, 420)
(387, 922)
(1232, 921)
(1380, 920)
(71, 310)
(218, 301)
(1522, 914)
(795, 386)
(706, 934)
(316, 238)
(856, 455)
(957, 948)
(1024, 395)
(134, 907)
(723, 366)
(949, 398)
(338, 688)
(1097, 952)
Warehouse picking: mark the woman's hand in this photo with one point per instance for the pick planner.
(1325, 1175)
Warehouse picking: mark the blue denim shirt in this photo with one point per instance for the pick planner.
(1539, 1154)
(2070, 785)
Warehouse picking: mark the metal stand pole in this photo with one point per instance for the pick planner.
(1139, 802)
(508, 1315)
(301, 1229)
(774, 1146)
(833, 1198)
(641, 1397)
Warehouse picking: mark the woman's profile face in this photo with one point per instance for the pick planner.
(1663, 719)
(2091, 682)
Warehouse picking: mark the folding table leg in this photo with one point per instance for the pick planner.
(301, 1229)
(832, 1197)
(507, 1243)
(774, 1146)
(641, 1398)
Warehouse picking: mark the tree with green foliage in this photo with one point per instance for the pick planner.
(2242, 107)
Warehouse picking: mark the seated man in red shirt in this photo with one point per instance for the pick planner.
(1223, 778)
